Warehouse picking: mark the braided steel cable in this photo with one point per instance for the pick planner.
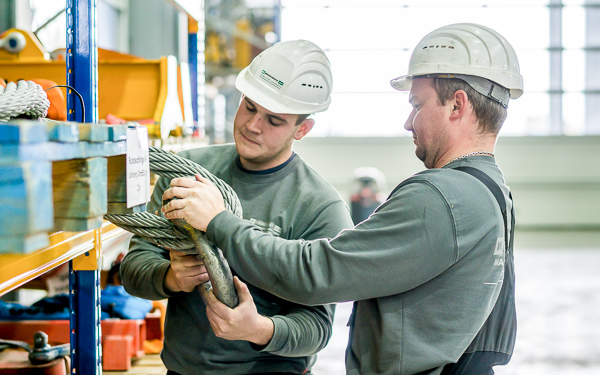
(169, 165)
(158, 229)
(155, 229)
(23, 98)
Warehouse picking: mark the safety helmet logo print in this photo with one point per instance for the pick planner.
(474, 53)
(292, 77)
(272, 80)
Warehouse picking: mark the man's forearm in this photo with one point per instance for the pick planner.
(264, 331)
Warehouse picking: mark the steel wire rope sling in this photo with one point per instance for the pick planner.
(179, 235)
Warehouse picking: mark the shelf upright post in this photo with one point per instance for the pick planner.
(196, 31)
(84, 284)
(193, 64)
(82, 59)
(84, 299)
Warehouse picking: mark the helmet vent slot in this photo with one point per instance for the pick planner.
(313, 86)
(438, 46)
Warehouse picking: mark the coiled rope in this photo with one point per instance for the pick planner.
(23, 98)
(158, 229)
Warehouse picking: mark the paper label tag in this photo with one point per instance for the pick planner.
(137, 166)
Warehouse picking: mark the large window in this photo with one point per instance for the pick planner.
(370, 42)
(49, 23)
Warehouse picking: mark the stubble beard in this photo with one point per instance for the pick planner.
(422, 155)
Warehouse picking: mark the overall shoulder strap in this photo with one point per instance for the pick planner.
(487, 181)
(497, 193)
(494, 343)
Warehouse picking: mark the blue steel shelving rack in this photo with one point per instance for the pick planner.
(82, 75)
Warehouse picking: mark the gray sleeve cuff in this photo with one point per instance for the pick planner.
(279, 339)
(217, 229)
(159, 281)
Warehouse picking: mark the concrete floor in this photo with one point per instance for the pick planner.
(558, 308)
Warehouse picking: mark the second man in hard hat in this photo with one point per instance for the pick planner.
(431, 270)
(280, 194)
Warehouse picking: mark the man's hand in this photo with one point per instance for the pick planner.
(241, 323)
(200, 201)
(186, 272)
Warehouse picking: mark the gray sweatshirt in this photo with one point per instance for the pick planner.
(293, 202)
(425, 269)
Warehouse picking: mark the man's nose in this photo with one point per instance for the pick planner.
(408, 124)
(254, 124)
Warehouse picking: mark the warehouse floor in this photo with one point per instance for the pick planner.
(558, 308)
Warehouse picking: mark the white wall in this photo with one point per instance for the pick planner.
(555, 179)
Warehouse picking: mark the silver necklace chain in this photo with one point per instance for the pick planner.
(470, 154)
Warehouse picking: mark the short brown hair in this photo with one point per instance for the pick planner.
(301, 118)
(490, 114)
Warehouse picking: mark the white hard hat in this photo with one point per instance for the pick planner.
(469, 52)
(290, 77)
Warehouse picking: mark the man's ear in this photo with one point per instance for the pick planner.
(460, 103)
(304, 128)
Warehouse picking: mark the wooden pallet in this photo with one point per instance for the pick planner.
(59, 176)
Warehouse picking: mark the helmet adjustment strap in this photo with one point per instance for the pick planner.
(482, 85)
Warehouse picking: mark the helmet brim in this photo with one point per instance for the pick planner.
(242, 84)
(403, 83)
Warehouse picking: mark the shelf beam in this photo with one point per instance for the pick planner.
(18, 269)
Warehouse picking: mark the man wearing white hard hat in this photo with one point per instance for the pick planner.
(280, 194)
(431, 270)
